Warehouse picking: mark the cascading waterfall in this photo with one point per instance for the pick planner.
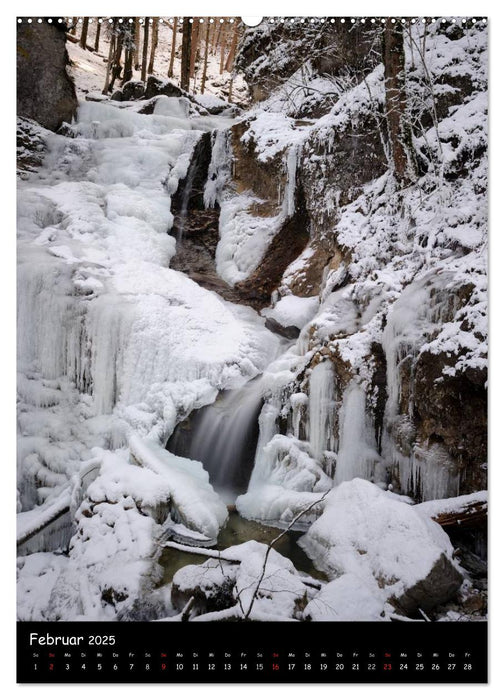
(223, 436)
(191, 189)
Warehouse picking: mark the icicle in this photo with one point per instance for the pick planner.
(422, 470)
(289, 203)
(357, 453)
(298, 402)
(321, 409)
(267, 429)
(219, 169)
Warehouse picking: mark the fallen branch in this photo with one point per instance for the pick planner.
(184, 615)
(210, 553)
(270, 547)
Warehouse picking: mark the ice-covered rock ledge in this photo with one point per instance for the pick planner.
(128, 510)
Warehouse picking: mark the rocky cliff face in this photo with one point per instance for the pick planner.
(45, 92)
(311, 212)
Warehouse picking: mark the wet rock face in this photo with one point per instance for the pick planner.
(264, 179)
(45, 92)
(286, 246)
(195, 178)
(452, 411)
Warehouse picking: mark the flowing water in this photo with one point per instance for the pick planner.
(236, 531)
(223, 436)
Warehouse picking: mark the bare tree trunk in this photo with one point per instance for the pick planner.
(205, 60)
(154, 43)
(194, 44)
(84, 33)
(223, 47)
(185, 67)
(110, 60)
(145, 49)
(173, 47)
(232, 50)
(128, 65)
(399, 130)
(216, 37)
(73, 28)
(97, 36)
(116, 68)
(136, 52)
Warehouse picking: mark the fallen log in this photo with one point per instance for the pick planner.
(461, 511)
(76, 40)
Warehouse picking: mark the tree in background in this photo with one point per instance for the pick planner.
(173, 47)
(185, 66)
(116, 64)
(110, 57)
(232, 50)
(396, 106)
(97, 35)
(154, 43)
(194, 44)
(136, 52)
(84, 33)
(145, 49)
(224, 37)
(205, 60)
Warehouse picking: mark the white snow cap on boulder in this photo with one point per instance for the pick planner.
(392, 548)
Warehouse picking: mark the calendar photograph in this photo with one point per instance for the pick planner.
(252, 348)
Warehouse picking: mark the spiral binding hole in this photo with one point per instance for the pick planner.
(252, 22)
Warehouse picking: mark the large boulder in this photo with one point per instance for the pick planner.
(45, 91)
(399, 554)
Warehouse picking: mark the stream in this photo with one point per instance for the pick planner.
(237, 531)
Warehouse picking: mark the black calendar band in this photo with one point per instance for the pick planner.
(251, 652)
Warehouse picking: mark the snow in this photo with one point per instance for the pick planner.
(193, 499)
(113, 344)
(348, 598)
(243, 237)
(372, 535)
(278, 585)
(434, 509)
(271, 133)
(277, 505)
(292, 310)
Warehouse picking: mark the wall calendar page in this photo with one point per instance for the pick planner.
(252, 349)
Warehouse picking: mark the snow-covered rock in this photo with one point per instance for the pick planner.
(255, 584)
(401, 555)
